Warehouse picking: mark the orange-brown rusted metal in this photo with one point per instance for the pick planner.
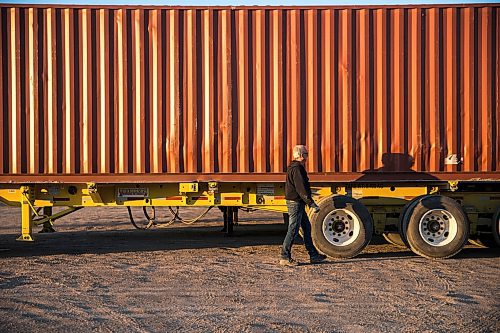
(353, 178)
(102, 91)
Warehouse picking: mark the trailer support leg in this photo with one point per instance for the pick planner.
(224, 216)
(48, 218)
(229, 224)
(235, 214)
(47, 226)
(26, 215)
(228, 213)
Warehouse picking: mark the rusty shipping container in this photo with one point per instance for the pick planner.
(224, 93)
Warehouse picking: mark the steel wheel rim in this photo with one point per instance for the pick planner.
(438, 227)
(341, 227)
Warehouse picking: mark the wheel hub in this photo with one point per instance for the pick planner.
(438, 227)
(434, 226)
(341, 227)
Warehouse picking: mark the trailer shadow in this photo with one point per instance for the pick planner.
(102, 242)
(196, 237)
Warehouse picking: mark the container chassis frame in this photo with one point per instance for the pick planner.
(480, 201)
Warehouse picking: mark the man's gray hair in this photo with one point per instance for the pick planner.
(298, 151)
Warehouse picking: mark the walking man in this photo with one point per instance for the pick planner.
(298, 195)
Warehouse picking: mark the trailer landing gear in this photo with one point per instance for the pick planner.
(26, 215)
(229, 214)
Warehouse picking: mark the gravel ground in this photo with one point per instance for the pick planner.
(98, 274)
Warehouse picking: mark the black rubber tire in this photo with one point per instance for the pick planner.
(422, 248)
(394, 238)
(495, 227)
(355, 208)
(405, 216)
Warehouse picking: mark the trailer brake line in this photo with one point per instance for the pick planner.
(157, 223)
(151, 221)
(187, 221)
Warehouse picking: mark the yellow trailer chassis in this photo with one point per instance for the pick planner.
(386, 206)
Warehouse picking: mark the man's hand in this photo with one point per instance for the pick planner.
(315, 208)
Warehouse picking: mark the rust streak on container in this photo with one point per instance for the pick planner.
(218, 87)
(485, 79)
(433, 92)
(85, 93)
(102, 117)
(68, 97)
(160, 54)
(152, 98)
(397, 83)
(120, 31)
(243, 98)
(294, 81)
(326, 86)
(450, 83)
(346, 79)
(191, 142)
(162, 89)
(276, 97)
(311, 64)
(11, 87)
(468, 48)
(363, 84)
(158, 136)
(126, 87)
(72, 98)
(3, 76)
(25, 32)
(154, 137)
(140, 80)
(259, 91)
(208, 157)
(134, 90)
(381, 86)
(38, 86)
(14, 101)
(32, 96)
(174, 103)
(415, 78)
(275, 93)
(225, 102)
(137, 89)
(105, 89)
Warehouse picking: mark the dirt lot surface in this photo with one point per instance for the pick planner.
(98, 274)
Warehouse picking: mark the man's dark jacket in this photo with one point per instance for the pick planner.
(297, 186)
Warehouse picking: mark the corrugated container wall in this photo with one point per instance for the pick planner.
(88, 90)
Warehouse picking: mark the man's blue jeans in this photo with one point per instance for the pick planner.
(297, 218)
